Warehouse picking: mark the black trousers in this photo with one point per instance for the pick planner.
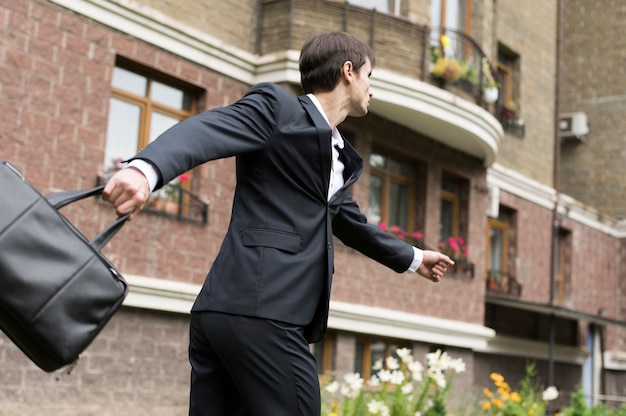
(250, 366)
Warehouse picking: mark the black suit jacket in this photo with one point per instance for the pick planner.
(276, 261)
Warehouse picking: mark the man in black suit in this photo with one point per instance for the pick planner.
(267, 295)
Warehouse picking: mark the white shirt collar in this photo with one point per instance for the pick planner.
(337, 140)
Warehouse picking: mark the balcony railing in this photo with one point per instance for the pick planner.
(400, 46)
(174, 201)
(501, 283)
(181, 204)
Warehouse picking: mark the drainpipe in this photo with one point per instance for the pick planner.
(556, 220)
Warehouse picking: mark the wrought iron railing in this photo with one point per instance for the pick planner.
(177, 203)
(499, 282)
(456, 58)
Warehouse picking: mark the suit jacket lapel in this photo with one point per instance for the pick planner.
(323, 134)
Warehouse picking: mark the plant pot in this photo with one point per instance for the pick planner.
(490, 95)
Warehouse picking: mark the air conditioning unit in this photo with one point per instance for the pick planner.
(573, 126)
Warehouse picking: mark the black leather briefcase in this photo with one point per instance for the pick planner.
(57, 291)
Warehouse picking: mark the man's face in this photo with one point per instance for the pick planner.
(360, 90)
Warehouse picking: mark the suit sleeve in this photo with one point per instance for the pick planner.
(352, 228)
(245, 126)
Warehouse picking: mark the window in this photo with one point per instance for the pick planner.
(383, 6)
(141, 107)
(391, 191)
(451, 14)
(323, 353)
(508, 104)
(369, 350)
(500, 237)
(563, 256)
(453, 207)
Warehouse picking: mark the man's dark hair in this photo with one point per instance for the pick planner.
(322, 56)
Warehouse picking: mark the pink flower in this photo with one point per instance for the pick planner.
(383, 226)
(453, 244)
(417, 235)
(184, 177)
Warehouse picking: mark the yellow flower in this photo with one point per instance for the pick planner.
(445, 41)
(516, 397)
(496, 377)
(448, 69)
(531, 412)
(498, 403)
(487, 392)
(504, 394)
(486, 405)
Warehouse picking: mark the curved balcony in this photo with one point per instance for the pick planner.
(408, 86)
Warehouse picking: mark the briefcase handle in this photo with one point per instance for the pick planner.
(60, 199)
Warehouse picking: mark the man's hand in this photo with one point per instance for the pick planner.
(128, 190)
(434, 265)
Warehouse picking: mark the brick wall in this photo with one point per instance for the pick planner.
(137, 366)
(593, 82)
(529, 29)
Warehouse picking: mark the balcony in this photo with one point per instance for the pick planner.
(501, 283)
(406, 87)
(172, 201)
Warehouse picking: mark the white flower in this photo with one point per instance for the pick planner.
(378, 365)
(397, 377)
(353, 380)
(354, 384)
(405, 355)
(550, 393)
(416, 368)
(332, 387)
(374, 381)
(438, 377)
(458, 365)
(407, 389)
(438, 360)
(384, 375)
(377, 408)
(392, 363)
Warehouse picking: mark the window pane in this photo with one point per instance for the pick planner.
(122, 131)
(159, 123)
(401, 168)
(378, 352)
(359, 351)
(398, 205)
(129, 81)
(374, 211)
(455, 14)
(377, 160)
(450, 185)
(379, 5)
(169, 96)
(496, 250)
(447, 214)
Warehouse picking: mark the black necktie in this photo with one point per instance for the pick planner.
(343, 159)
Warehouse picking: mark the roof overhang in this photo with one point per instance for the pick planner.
(547, 309)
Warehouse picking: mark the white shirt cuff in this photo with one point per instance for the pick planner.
(148, 171)
(417, 259)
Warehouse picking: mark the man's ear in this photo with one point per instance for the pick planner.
(347, 71)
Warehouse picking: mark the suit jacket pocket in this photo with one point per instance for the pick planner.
(280, 240)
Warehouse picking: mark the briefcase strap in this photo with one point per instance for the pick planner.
(61, 199)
